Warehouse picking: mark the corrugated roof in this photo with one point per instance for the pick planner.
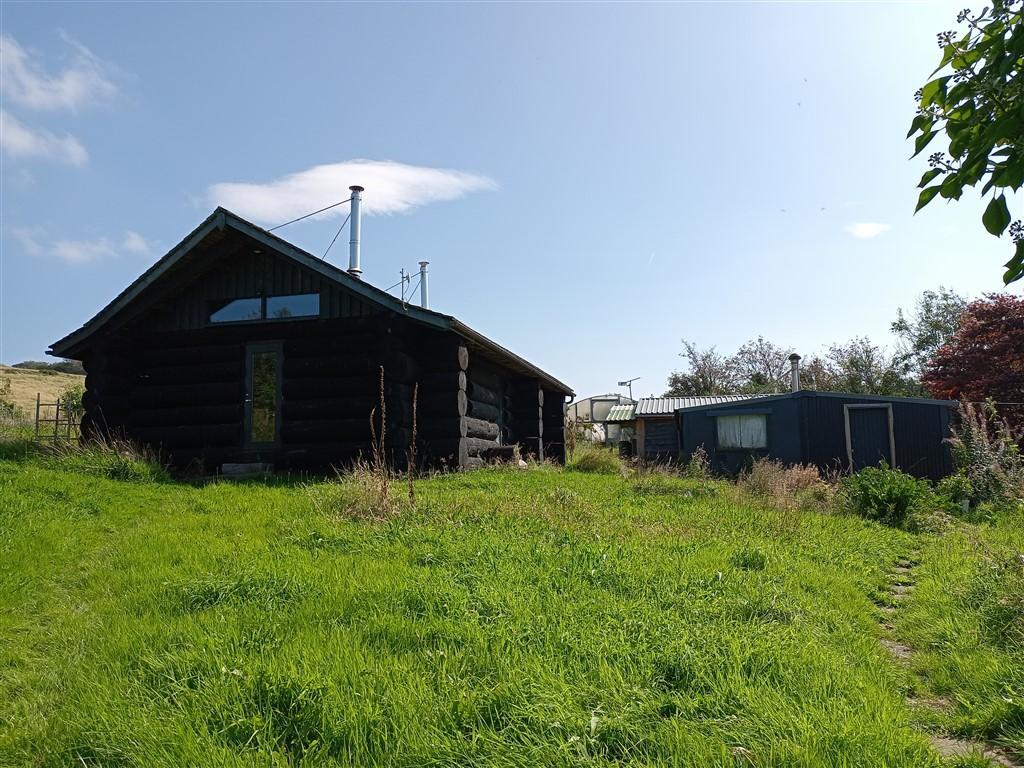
(621, 413)
(665, 406)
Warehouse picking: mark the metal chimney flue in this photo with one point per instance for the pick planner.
(794, 372)
(424, 296)
(355, 230)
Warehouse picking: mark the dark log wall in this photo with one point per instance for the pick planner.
(553, 416)
(183, 390)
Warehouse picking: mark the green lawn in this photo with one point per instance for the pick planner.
(515, 618)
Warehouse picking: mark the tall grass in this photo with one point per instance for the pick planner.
(596, 459)
(965, 619)
(513, 618)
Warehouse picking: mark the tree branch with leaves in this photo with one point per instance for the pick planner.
(980, 109)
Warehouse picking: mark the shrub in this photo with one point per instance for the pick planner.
(955, 489)
(595, 459)
(8, 410)
(70, 398)
(772, 479)
(987, 454)
(885, 495)
(699, 465)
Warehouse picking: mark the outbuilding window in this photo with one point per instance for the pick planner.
(743, 431)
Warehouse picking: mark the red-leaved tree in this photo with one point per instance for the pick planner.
(985, 358)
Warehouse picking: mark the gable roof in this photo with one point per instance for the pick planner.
(222, 219)
(666, 406)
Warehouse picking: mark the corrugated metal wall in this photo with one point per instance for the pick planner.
(812, 429)
(919, 430)
(661, 440)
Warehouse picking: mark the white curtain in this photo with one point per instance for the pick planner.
(745, 431)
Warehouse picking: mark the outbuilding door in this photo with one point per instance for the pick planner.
(869, 435)
(262, 395)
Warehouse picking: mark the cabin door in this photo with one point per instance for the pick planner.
(262, 395)
(869, 436)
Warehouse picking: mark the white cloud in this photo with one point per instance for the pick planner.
(866, 229)
(135, 243)
(82, 251)
(28, 238)
(390, 188)
(85, 81)
(18, 141)
(33, 241)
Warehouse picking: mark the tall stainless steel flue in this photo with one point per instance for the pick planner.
(794, 372)
(424, 297)
(355, 226)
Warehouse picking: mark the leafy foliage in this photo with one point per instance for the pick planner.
(8, 409)
(708, 373)
(859, 366)
(936, 317)
(762, 366)
(988, 456)
(984, 360)
(885, 495)
(980, 109)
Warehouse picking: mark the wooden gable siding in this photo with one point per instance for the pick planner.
(245, 274)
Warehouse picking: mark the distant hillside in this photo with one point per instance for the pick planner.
(59, 366)
(26, 382)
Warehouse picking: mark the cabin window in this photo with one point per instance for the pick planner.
(299, 305)
(238, 310)
(744, 431)
(269, 308)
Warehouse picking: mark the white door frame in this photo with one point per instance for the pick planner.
(849, 442)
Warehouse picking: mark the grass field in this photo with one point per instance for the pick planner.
(25, 383)
(538, 617)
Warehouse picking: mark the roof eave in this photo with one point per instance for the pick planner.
(478, 338)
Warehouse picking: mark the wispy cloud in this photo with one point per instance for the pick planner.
(35, 242)
(18, 141)
(84, 82)
(865, 230)
(390, 188)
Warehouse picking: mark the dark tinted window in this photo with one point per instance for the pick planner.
(237, 310)
(299, 305)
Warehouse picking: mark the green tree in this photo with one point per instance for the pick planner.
(707, 373)
(860, 367)
(762, 367)
(978, 105)
(932, 323)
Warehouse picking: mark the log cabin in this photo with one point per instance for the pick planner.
(240, 348)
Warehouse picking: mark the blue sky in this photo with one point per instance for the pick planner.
(591, 183)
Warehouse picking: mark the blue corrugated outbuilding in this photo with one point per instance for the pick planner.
(832, 430)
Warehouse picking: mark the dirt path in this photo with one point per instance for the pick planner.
(901, 587)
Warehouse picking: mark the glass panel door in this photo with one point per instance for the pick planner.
(263, 394)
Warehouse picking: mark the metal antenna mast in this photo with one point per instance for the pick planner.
(629, 383)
